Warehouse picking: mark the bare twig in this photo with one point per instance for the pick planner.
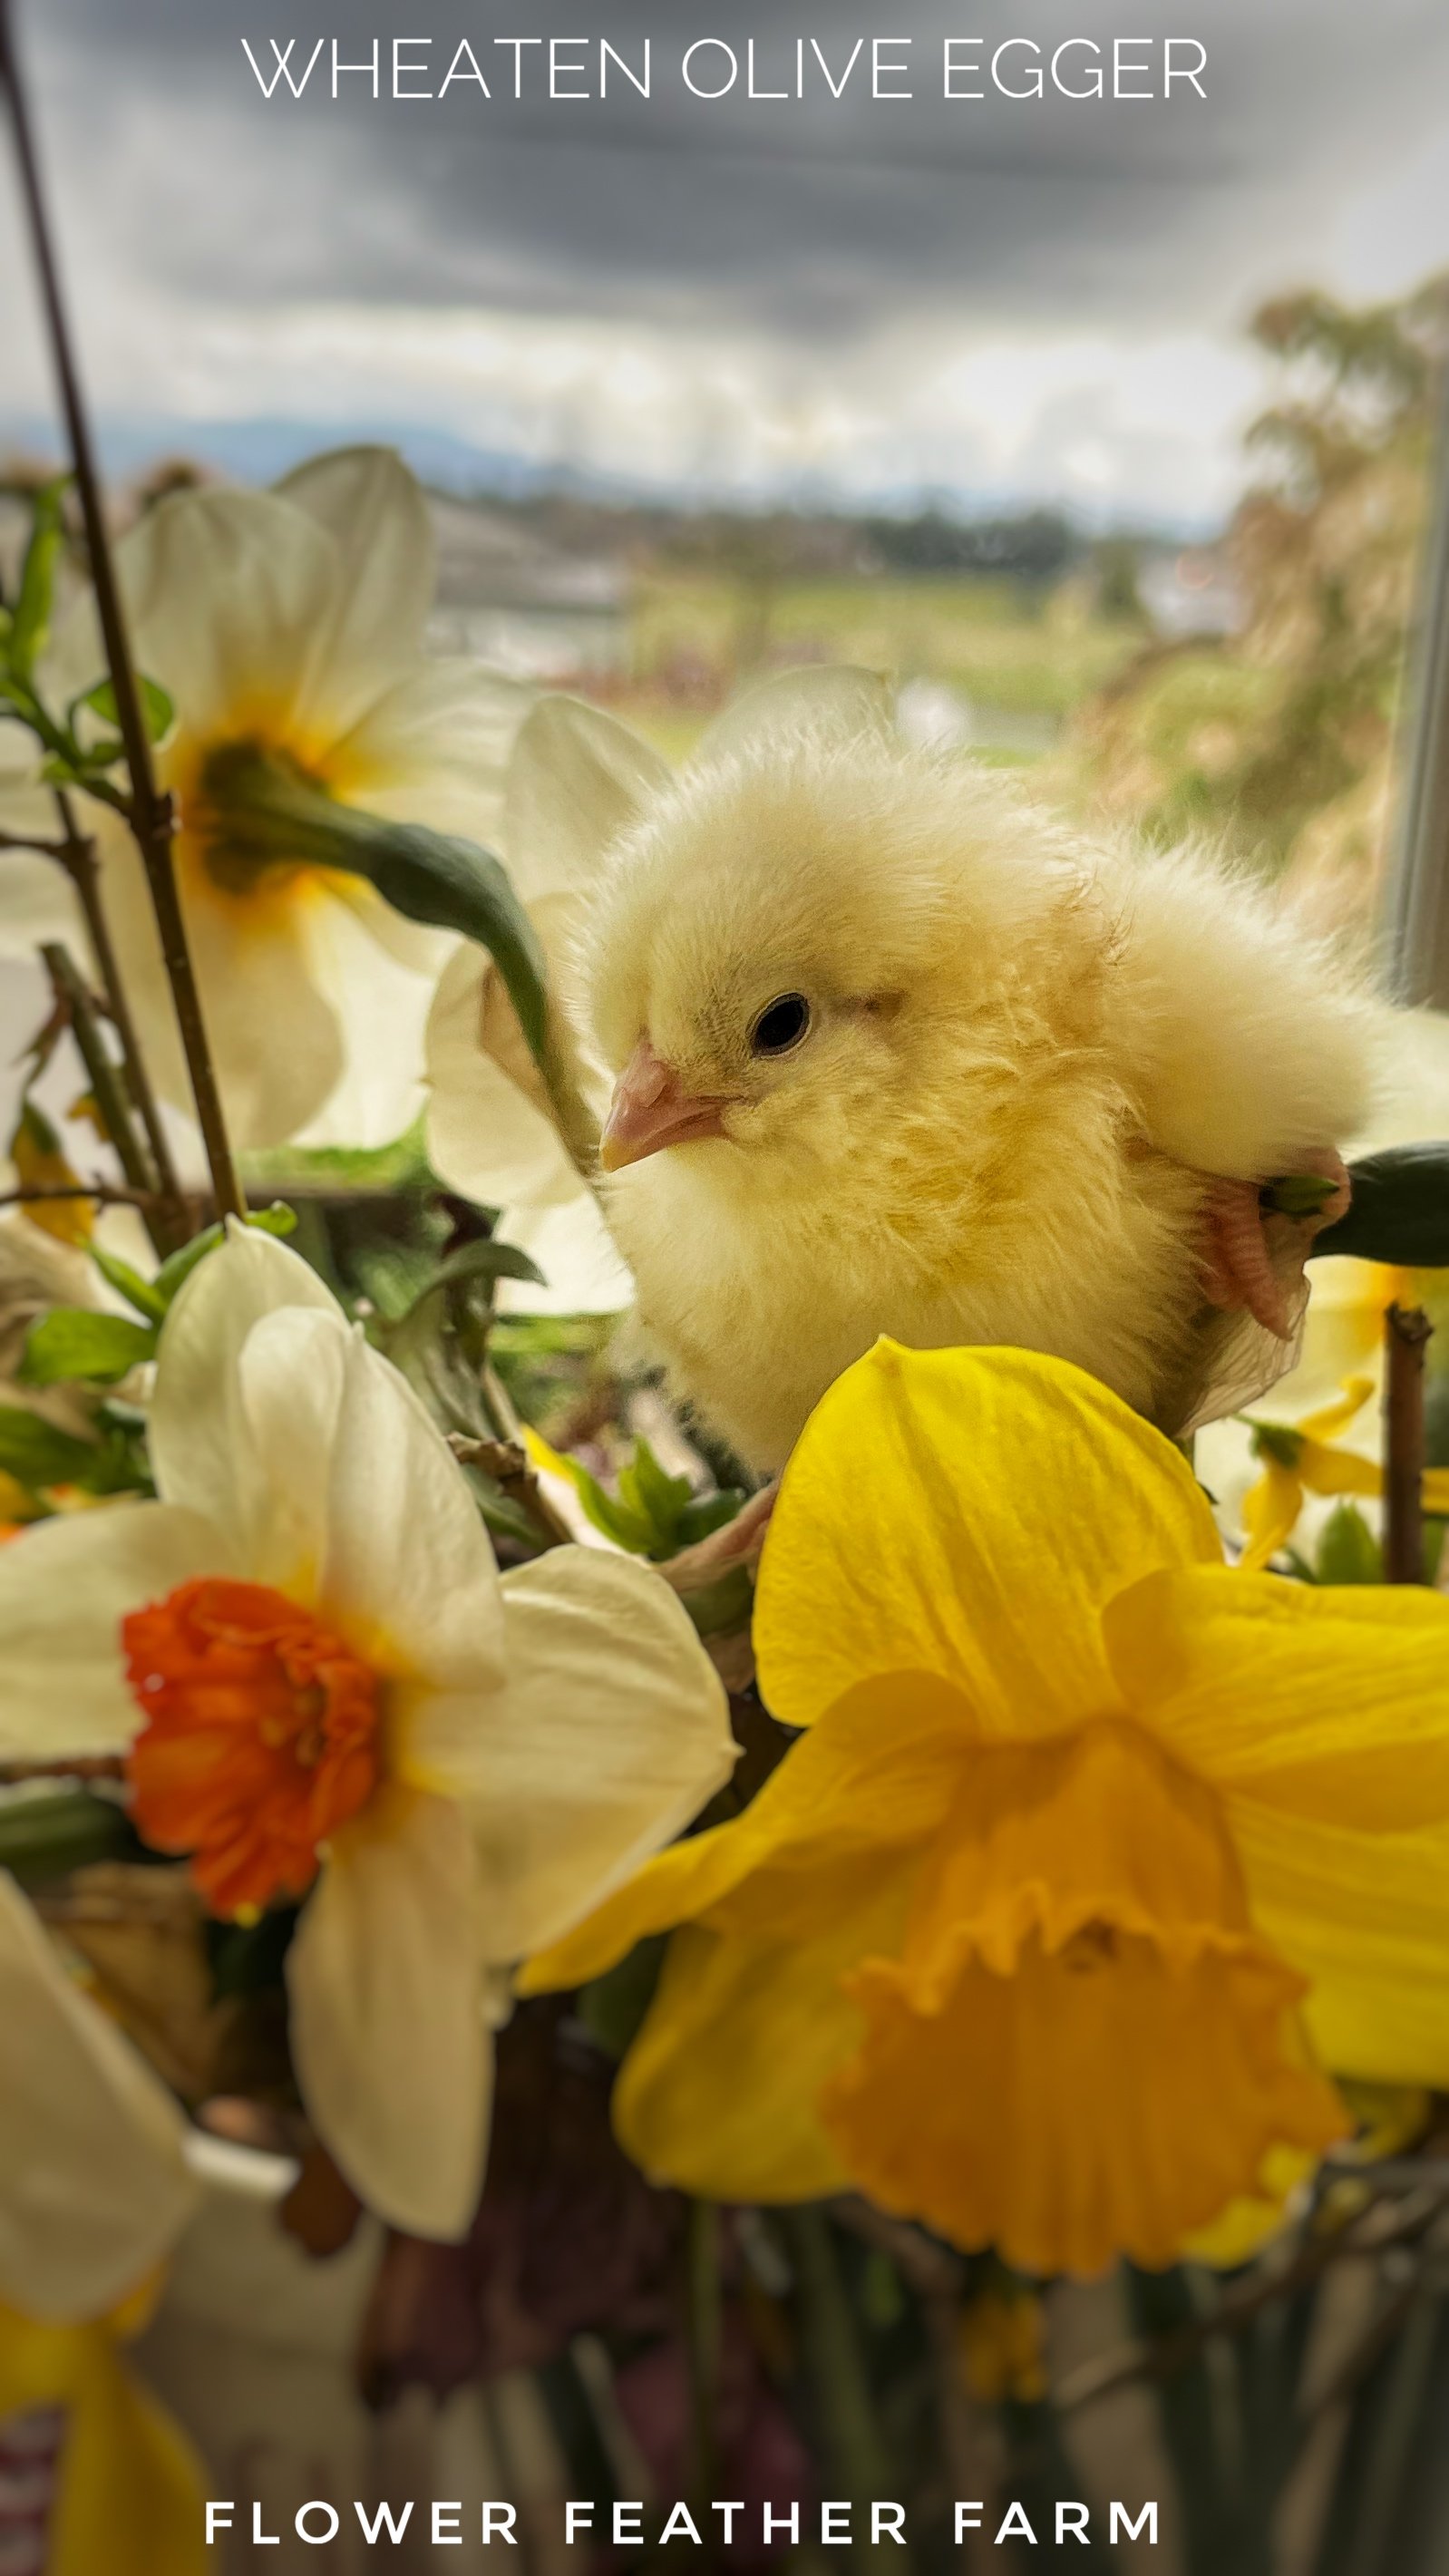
(150, 812)
(506, 1461)
(76, 853)
(106, 1194)
(72, 998)
(1408, 1330)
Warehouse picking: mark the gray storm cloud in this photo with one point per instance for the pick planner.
(802, 217)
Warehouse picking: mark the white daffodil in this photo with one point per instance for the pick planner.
(576, 782)
(322, 1684)
(94, 2186)
(288, 623)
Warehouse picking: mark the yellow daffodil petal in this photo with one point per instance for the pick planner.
(387, 2024)
(875, 1774)
(1365, 1917)
(1328, 1702)
(1270, 1512)
(130, 2490)
(1250, 2223)
(931, 1495)
(720, 2092)
(1081, 2047)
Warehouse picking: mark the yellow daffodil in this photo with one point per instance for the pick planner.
(1094, 1849)
(94, 2190)
(290, 623)
(1302, 1458)
(324, 1690)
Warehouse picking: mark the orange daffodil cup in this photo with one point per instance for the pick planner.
(324, 1690)
(1094, 1853)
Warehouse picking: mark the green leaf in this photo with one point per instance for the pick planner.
(73, 1343)
(30, 624)
(1400, 1210)
(128, 1283)
(488, 1261)
(157, 709)
(174, 1273)
(37, 1455)
(45, 1836)
(1348, 1551)
(701, 1517)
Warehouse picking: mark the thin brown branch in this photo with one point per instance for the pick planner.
(73, 999)
(105, 1193)
(150, 809)
(1408, 1332)
(77, 855)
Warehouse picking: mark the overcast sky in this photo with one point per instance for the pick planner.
(995, 299)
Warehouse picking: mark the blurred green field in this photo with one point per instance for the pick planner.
(1008, 651)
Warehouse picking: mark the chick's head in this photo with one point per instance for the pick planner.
(809, 954)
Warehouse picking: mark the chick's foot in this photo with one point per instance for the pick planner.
(1253, 1254)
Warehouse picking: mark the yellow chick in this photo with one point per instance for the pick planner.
(896, 1052)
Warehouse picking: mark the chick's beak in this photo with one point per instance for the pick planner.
(651, 1109)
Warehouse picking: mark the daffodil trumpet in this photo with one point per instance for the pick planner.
(1093, 1855)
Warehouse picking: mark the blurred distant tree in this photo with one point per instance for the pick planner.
(1281, 736)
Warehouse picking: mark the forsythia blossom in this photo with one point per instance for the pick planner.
(325, 1691)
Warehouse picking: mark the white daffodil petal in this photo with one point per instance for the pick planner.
(201, 1451)
(94, 2187)
(578, 779)
(435, 749)
(377, 518)
(408, 1576)
(485, 1137)
(37, 900)
(577, 1255)
(230, 596)
(291, 1373)
(610, 1735)
(387, 2024)
(819, 698)
(65, 1587)
(381, 1008)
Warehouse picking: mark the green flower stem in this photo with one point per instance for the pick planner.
(149, 811)
(855, 2454)
(266, 812)
(704, 2319)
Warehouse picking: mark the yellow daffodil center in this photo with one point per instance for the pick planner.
(1083, 2047)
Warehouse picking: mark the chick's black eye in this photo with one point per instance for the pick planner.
(781, 1025)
